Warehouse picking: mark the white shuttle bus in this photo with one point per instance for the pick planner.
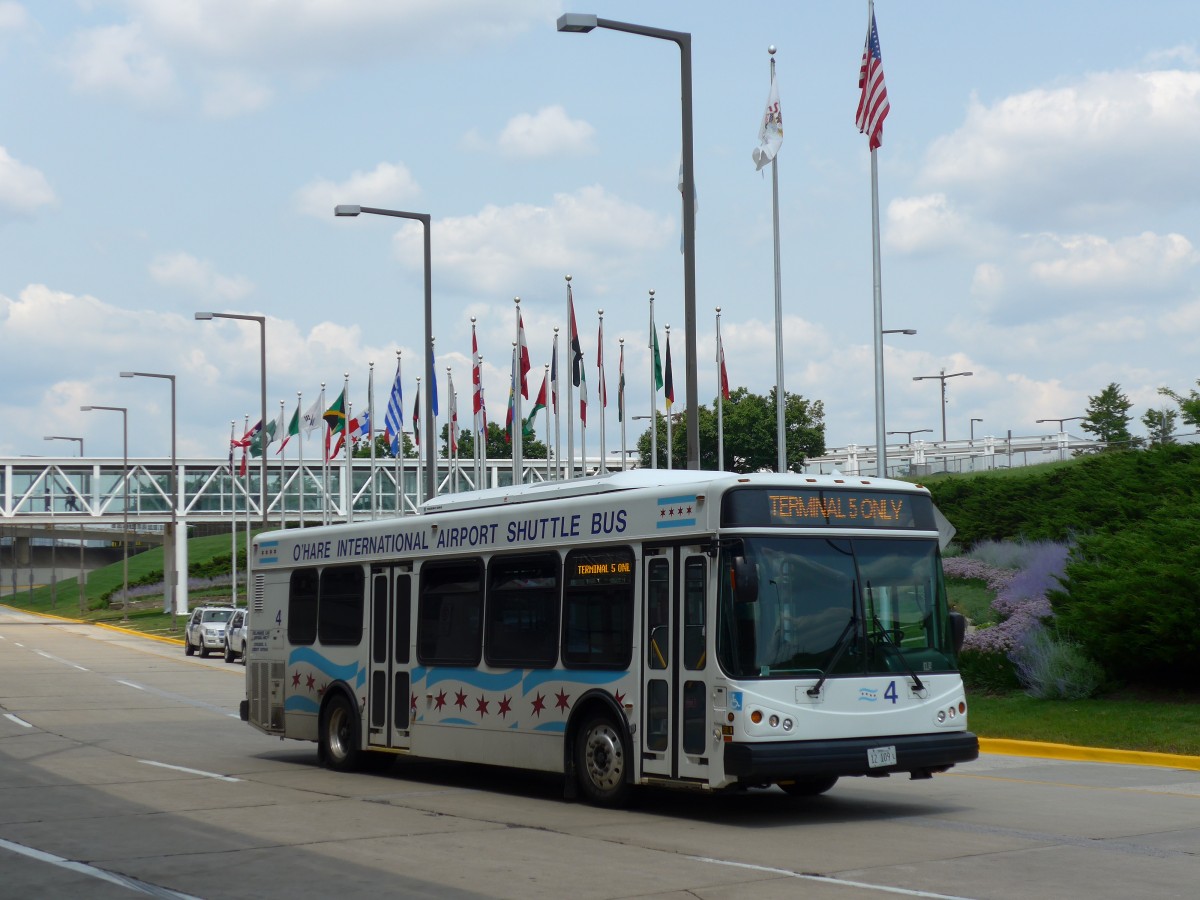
(691, 629)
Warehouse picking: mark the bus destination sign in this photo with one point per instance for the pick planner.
(827, 508)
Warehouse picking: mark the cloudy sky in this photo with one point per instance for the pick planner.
(1037, 187)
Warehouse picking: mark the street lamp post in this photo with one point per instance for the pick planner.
(1061, 431)
(973, 421)
(582, 23)
(942, 377)
(908, 434)
(59, 437)
(262, 443)
(430, 441)
(125, 504)
(171, 594)
(880, 441)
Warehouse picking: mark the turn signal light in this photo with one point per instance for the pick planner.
(756, 716)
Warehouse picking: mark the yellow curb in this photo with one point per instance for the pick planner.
(1006, 747)
(46, 615)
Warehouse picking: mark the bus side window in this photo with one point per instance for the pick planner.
(450, 613)
(302, 607)
(695, 572)
(598, 609)
(522, 611)
(340, 608)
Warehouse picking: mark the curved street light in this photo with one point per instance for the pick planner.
(124, 411)
(942, 377)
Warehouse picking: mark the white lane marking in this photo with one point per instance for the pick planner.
(770, 870)
(136, 687)
(200, 772)
(13, 718)
(93, 872)
(59, 659)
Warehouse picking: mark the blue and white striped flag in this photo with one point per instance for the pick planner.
(394, 417)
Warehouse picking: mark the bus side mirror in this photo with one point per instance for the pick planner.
(958, 629)
(745, 580)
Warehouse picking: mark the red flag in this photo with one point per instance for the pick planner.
(576, 350)
(477, 385)
(724, 374)
(873, 105)
(242, 467)
(524, 351)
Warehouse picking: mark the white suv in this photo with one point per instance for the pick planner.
(206, 629)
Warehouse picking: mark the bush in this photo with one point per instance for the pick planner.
(1052, 668)
(987, 670)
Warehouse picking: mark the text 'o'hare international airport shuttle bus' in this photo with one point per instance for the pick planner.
(692, 629)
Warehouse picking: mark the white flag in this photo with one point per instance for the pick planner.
(313, 416)
(770, 133)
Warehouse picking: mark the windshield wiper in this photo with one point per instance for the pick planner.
(842, 644)
(888, 639)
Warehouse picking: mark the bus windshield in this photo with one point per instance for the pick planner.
(834, 606)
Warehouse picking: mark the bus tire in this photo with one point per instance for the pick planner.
(808, 785)
(338, 739)
(601, 761)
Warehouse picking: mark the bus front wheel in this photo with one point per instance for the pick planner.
(600, 762)
(338, 745)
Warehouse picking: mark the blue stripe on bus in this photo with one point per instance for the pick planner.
(674, 523)
(309, 656)
(297, 703)
(538, 677)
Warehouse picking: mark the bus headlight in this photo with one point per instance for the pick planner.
(774, 721)
(787, 724)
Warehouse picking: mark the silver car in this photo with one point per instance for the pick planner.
(206, 629)
(235, 636)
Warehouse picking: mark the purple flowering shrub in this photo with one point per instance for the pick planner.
(1020, 574)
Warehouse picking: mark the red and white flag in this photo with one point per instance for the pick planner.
(523, 349)
(873, 105)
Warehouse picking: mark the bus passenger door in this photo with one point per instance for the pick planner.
(675, 663)
(389, 695)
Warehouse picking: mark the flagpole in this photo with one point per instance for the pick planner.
(476, 378)
(417, 435)
(399, 456)
(601, 391)
(324, 461)
(451, 441)
(300, 452)
(247, 581)
(371, 428)
(570, 393)
(348, 479)
(554, 399)
(518, 437)
(720, 399)
(653, 391)
(433, 408)
(282, 473)
(621, 399)
(780, 395)
(481, 436)
(233, 512)
(670, 440)
(582, 418)
(546, 382)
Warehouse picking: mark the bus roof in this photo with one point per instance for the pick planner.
(635, 479)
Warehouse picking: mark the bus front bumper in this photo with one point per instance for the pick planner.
(919, 754)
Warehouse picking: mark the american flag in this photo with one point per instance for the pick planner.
(873, 104)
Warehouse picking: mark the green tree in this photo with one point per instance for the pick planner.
(498, 444)
(750, 433)
(1108, 418)
(1189, 406)
(1160, 425)
(383, 449)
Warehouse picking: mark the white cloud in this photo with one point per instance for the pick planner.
(13, 16)
(230, 93)
(117, 59)
(548, 132)
(388, 184)
(924, 223)
(1107, 143)
(1145, 262)
(198, 277)
(498, 248)
(23, 189)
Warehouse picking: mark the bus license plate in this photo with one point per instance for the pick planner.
(881, 756)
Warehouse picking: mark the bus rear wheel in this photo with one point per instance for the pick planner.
(808, 786)
(600, 762)
(338, 738)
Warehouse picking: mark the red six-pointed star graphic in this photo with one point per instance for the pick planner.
(440, 699)
(310, 682)
(538, 703)
(295, 679)
(562, 700)
(413, 704)
(460, 699)
(505, 707)
(481, 707)
(620, 698)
